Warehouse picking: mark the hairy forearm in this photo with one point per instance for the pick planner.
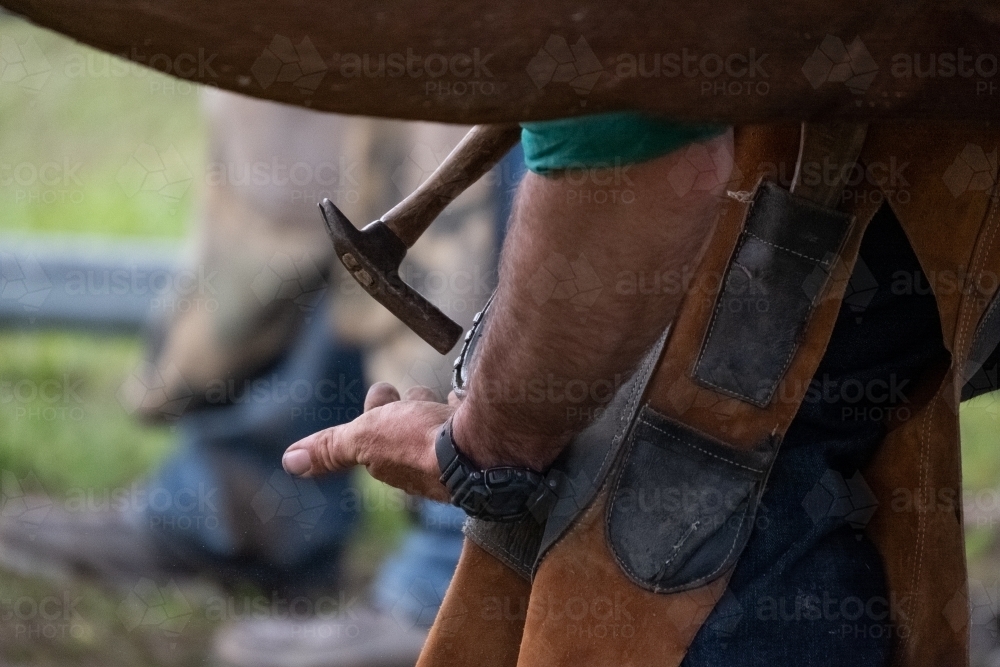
(553, 352)
(477, 61)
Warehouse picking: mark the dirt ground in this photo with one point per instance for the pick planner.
(59, 623)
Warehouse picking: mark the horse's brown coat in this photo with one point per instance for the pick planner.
(487, 49)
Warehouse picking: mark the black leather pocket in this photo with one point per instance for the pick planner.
(777, 271)
(683, 505)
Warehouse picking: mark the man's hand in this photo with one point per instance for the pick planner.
(393, 439)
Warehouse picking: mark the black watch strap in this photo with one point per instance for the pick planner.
(504, 493)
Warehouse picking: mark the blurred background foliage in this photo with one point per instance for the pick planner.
(88, 112)
(83, 127)
(82, 115)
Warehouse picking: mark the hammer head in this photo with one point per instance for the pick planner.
(373, 256)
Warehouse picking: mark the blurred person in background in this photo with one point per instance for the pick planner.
(278, 346)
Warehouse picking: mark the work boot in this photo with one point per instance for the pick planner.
(357, 638)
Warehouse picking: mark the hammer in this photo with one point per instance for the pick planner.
(373, 254)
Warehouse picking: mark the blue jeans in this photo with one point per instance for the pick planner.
(412, 583)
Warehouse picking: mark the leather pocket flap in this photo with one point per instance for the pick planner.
(779, 268)
(683, 505)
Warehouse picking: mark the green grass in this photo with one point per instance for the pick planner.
(980, 421)
(60, 420)
(981, 442)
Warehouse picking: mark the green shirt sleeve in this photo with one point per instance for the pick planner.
(605, 140)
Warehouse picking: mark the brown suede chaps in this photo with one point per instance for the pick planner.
(501, 614)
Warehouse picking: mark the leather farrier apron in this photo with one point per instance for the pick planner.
(709, 408)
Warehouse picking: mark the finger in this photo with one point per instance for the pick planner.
(297, 460)
(329, 450)
(453, 400)
(420, 393)
(379, 394)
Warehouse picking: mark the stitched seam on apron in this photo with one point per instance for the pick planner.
(633, 398)
(812, 307)
(623, 421)
(703, 451)
(715, 317)
(921, 515)
(979, 258)
(511, 559)
(821, 262)
(791, 353)
(723, 564)
(634, 395)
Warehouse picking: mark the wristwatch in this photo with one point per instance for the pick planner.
(504, 493)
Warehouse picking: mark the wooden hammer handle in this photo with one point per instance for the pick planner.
(476, 154)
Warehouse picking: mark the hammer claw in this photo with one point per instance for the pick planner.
(373, 256)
